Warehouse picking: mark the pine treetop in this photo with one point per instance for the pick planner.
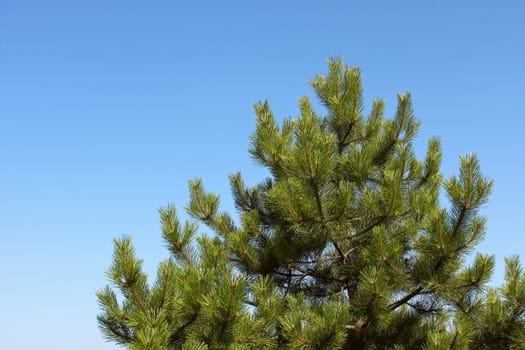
(344, 246)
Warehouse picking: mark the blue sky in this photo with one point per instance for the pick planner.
(107, 108)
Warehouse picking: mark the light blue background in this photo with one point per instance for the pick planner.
(108, 107)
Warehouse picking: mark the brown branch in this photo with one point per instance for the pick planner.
(460, 220)
(164, 290)
(377, 222)
(342, 143)
(405, 299)
(309, 272)
(137, 299)
(178, 333)
(360, 324)
(454, 340)
(111, 327)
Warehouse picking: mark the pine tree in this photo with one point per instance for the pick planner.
(344, 246)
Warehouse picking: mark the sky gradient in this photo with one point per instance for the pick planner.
(107, 108)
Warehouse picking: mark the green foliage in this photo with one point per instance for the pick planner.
(344, 246)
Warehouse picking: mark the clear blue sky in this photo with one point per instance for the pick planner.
(108, 107)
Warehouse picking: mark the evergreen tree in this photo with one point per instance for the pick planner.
(344, 246)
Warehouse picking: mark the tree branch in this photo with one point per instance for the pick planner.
(405, 299)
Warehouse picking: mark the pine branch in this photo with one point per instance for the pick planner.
(124, 338)
(175, 337)
(378, 221)
(342, 256)
(454, 340)
(138, 300)
(342, 142)
(164, 290)
(405, 299)
(459, 221)
(360, 324)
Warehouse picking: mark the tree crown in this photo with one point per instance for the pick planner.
(344, 245)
